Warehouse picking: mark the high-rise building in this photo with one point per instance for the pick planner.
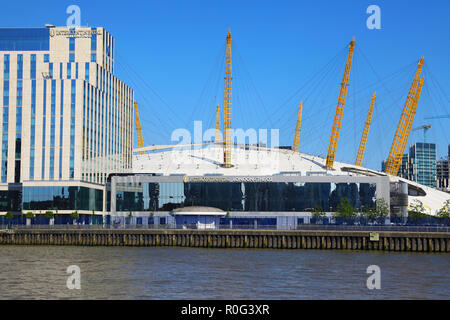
(423, 163)
(442, 173)
(419, 165)
(65, 119)
(404, 170)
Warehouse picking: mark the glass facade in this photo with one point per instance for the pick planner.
(423, 163)
(11, 200)
(42, 77)
(62, 198)
(273, 196)
(32, 128)
(5, 115)
(24, 39)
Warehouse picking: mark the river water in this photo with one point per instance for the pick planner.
(35, 272)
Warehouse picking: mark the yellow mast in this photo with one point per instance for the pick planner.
(298, 127)
(407, 131)
(140, 139)
(404, 126)
(227, 107)
(218, 138)
(334, 138)
(362, 145)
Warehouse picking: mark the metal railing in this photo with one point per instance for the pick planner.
(283, 227)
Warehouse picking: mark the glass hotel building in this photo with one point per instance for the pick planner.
(65, 119)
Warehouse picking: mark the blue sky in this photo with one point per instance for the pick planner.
(171, 53)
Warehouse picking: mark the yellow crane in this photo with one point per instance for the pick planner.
(336, 129)
(227, 107)
(362, 144)
(298, 127)
(404, 126)
(140, 139)
(218, 138)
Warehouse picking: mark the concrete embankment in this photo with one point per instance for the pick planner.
(297, 239)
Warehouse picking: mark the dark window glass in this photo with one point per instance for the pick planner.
(25, 39)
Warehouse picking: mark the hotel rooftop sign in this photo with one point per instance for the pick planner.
(87, 33)
(224, 179)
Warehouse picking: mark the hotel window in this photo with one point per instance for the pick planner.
(43, 129)
(72, 57)
(20, 66)
(93, 57)
(69, 71)
(33, 127)
(33, 66)
(4, 171)
(19, 93)
(5, 93)
(61, 118)
(86, 72)
(94, 40)
(46, 57)
(71, 44)
(72, 130)
(6, 67)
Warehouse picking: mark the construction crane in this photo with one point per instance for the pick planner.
(425, 128)
(362, 144)
(218, 138)
(227, 107)
(405, 123)
(140, 139)
(438, 117)
(298, 127)
(336, 129)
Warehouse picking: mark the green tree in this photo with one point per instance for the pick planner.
(382, 210)
(370, 214)
(345, 209)
(128, 218)
(29, 215)
(74, 214)
(444, 212)
(345, 212)
(417, 212)
(9, 215)
(318, 214)
(49, 214)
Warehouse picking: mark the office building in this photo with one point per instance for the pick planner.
(65, 119)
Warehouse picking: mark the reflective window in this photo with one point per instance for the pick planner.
(282, 197)
(20, 66)
(62, 198)
(43, 128)
(24, 39)
(86, 72)
(72, 44)
(6, 66)
(33, 66)
(5, 93)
